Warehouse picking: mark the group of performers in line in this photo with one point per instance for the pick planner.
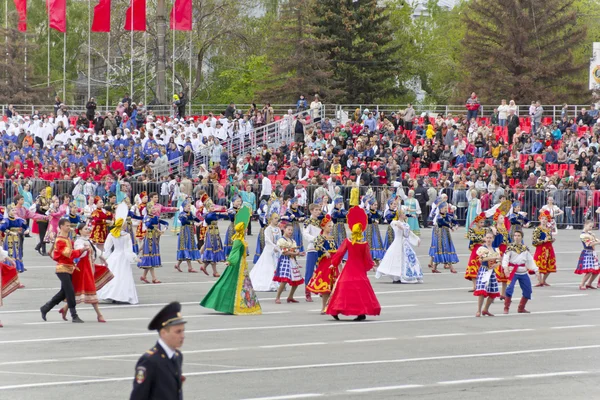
(94, 246)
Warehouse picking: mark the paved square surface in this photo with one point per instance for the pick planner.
(426, 344)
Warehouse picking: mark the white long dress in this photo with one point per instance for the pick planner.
(263, 271)
(119, 255)
(400, 261)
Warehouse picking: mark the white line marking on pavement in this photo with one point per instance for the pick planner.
(289, 397)
(572, 326)
(277, 346)
(400, 306)
(139, 318)
(569, 295)
(383, 388)
(440, 335)
(46, 374)
(464, 381)
(369, 340)
(448, 303)
(552, 374)
(505, 331)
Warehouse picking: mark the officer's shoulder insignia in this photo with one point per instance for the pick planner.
(140, 375)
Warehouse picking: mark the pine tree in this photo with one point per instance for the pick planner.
(14, 88)
(298, 66)
(358, 40)
(523, 50)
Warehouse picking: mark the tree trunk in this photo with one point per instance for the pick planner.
(161, 29)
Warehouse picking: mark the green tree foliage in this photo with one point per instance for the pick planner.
(523, 50)
(359, 45)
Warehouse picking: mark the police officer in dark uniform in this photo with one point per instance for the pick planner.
(158, 371)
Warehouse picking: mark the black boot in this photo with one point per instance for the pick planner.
(43, 247)
(360, 318)
(74, 316)
(45, 309)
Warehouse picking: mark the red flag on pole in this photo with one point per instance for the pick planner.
(57, 14)
(21, 6)
(136, 13)
(101, 21)
(181, 15)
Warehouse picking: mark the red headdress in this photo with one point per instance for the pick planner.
(480, 217)
(357, 221)
(497, 214)
(326, 219)
(204, 198)
(97, 199)
(545, 214)
(143, 194)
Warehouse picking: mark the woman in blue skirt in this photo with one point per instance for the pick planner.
(150, 257)
(236, 204)
(487, 284)
(295, 217)
(372, 234)
(187, 249)
(338, 216)
(413, 210)
(442, 249)
(212, 249)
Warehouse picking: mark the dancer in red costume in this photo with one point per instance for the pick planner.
(100, 219)
(353, 293)
(9, 277)
(476, 235)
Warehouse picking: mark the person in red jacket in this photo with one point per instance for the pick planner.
(63, 253)
(472, 106)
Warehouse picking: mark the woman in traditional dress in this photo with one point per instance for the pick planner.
(518, 219)
(588, 260)
(400, 261)
(263, 220)
(263, 270)
(88, 277)
(141, 211)
(12, 228)
(413, 210)
(187, 250)
(389, 215)
(131, 224)
(9, 277)
(212, 250)
(176, 222)
(476, 235)
(544, 256)
(288, 269)
(372, 233)
(55, 215)
(501, 241)
(338, 216)
(473, 209)
(442, 249)
(100, 219)
(487, 284)
(353, 293)
(295, 217)
(42, 205)
(150, 253)
(119, 255)
(236, 204)
(324, 277)
(233, 292)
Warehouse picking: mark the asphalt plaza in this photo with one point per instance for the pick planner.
(426, 343)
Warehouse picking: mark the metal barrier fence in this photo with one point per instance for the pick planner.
(577, 205)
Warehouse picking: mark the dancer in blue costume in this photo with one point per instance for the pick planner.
(212, 249)
(187, 249)
(390, 215)
(518, 219)
(442, 249)
(295, 217)
(338, 216)
(128, 225)
(236, 204)
(150, 257)
(12, 227)
(372, 234)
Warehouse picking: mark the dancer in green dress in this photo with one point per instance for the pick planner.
(233, 292)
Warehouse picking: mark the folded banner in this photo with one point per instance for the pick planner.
(181, 15)
(101, 22)
(135, 19)
(21, 6)
(57, 14)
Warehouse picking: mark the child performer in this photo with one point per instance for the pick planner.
(312, 229)
(518, 219)
(442, 249)
(475, 234)
(294, 217)
(186, 240)
(288, 270)
(150, 257)
(212, 248)
(501, 241)
(588, 260)
(338, 216)
(324, 277)
(236, 204)
(544, 255)
(517, 262)
(372, 233)
(487, 284)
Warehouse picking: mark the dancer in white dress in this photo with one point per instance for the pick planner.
(400, 261)
(261, 274)
(118, 252)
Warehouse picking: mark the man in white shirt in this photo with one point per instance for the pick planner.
(267, 189)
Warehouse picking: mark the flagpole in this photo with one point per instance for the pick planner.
(145, 68)
(173, 63)
(190, 77)
(108, 72)
(131, 53)
(89, 94)
(6, 32)
(65, 66)
(25, 69)
(48, 76)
